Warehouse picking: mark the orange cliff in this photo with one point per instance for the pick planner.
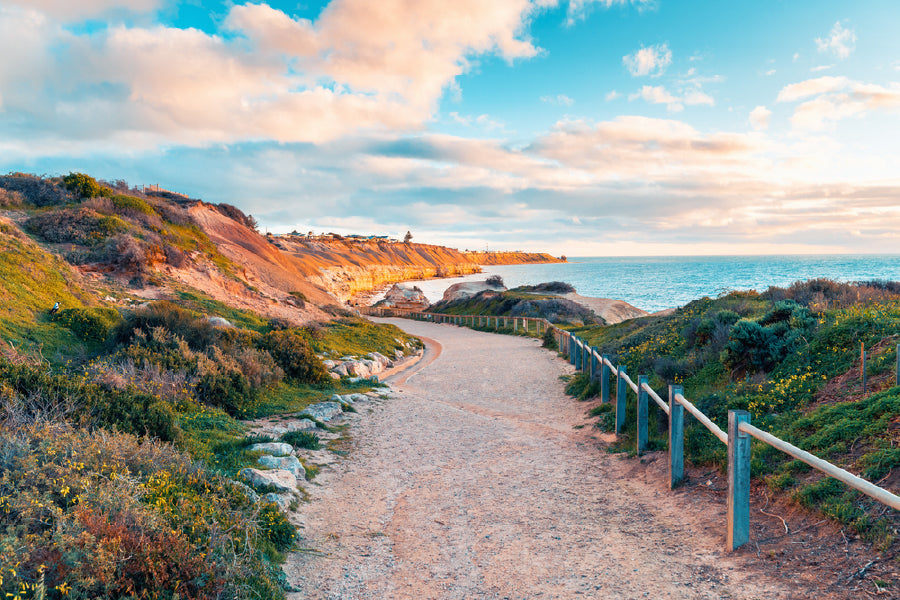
(345, 267)
(512, 258)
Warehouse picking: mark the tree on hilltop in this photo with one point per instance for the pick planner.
(407, 238)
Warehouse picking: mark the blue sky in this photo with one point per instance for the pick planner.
(581, 127)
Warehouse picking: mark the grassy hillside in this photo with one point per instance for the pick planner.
(791, 358)
(122, 421)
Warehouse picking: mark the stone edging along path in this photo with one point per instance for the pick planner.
(477, 478)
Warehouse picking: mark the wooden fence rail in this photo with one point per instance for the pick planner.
(737, 438)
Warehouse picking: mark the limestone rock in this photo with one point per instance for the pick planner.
(282, 500)
(287, 463)
(219, 322)
(467, 289)
(273, 448)
(247, 490)
(323, 411)
(401, 296)
(279, 479)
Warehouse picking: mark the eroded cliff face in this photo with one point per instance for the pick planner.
(511, 258)
(345, 268)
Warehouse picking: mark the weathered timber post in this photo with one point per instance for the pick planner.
(604, 380)
(642, 414)
(862, 362)
(586, 359)
(738, 532)
(579, 362)
(676, 437)
(621, 388)
(515, 325)
(572, 349)
(595, 365)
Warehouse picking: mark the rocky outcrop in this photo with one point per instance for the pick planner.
(273, 448)
(322, 411)
(285, 463)
(467, 289)
(405, 297)
(279, 479)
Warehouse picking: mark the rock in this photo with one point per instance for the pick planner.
(467, 289)
(287, 463)
(323, 411)
(398, 354)
(359, 368)
(334, 376)
(247, 490)
(401, 296)
(336, 398)
(273, 448)
(356, 397)
(340, 370)
(279, 479)
(282, 500)
(219, 322)
(380, 359)
(329, 364)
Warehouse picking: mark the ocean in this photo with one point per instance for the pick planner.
(660, 282)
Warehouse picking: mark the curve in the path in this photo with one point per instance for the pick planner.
(480, 480)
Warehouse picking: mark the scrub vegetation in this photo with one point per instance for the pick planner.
(791, 357)
(122, 428)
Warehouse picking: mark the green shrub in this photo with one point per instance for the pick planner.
(75, 226)
(130, 204)
(231, 392)
(276, 527)
(301, 439)
(295, 357)
(89, 324)
(84, 186)
(197, 332)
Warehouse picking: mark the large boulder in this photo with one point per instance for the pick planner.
(287, 463)
(467, 289)
(273, 448)
(282, 500)
(281, 480)
(401, 296)
(322, 411)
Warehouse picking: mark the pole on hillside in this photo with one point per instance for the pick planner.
(621, 388)
(642, 414)
(862, 362)
(595, 365)
(604, 380)
(676, 437)
(738, 531)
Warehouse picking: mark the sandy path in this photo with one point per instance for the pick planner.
(471, 482)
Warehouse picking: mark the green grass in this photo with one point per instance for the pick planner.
(203, 304)
(356, 337)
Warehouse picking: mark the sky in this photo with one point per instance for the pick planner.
(577, 127)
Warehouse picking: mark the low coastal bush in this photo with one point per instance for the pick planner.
(75, 226)
(301, 439)
(89, 324)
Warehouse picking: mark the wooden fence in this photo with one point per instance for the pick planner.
(592, 361)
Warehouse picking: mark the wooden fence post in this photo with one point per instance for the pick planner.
(586, 359)
(595, 365)
(572, 348)
(579, 362)
(676, 437)
(738, 531)
(862, 362)
(621, 389)
(642, 414)
(604, 380)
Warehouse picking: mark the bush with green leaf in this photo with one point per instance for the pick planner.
(89, 324)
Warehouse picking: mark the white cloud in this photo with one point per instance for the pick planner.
(360, 66)
(77, 10)
(840, 41)
(660, 95)
(830, 99)
(613, 95)
(821, 68)
(759, 118)
(578, 9)
(812, 87)
(560, 99)
(770, 72)
(652, 61)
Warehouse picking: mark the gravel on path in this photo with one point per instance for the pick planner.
(476, 480)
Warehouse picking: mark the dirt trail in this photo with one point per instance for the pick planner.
(473, 482)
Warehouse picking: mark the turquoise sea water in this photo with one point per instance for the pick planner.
(655, 283)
